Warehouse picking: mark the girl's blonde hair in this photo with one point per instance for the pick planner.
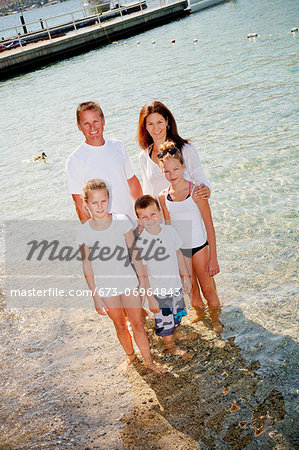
(168, 150)
(95, 184)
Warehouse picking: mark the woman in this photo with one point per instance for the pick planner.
(156, 125)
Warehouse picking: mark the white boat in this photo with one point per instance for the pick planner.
(127, 8)
(103, 6)
(197, 5)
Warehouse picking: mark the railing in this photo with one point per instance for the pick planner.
(69, 24)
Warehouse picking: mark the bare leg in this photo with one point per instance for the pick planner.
(216, 324)
(119, 319)
(196, 299)
(208, 287)
(134, 314)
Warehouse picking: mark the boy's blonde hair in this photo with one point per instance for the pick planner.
(168, 150)
(95, 184)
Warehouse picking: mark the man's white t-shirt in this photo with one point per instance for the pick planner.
(113, 272)
(109, 162)
(162, 266)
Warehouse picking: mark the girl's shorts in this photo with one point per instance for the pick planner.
(172, 310)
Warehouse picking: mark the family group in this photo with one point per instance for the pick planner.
(152, 242)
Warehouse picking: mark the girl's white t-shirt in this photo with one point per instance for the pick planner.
(113, 271)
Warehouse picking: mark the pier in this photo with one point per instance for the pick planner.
(37, 54)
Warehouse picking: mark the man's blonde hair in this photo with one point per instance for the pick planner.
(88, 106)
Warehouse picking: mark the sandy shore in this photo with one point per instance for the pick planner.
(61, 388)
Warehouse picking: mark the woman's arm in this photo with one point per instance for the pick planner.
(204, 207)
(196, 171)
(164, 208)
(89, 276)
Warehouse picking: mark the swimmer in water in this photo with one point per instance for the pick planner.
(42, 157)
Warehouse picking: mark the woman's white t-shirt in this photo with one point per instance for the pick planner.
(153, 180)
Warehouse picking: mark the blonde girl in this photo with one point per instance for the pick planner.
(187, 213)
(104, 241)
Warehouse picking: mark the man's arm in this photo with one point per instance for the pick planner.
(80, 208)
(134, 188)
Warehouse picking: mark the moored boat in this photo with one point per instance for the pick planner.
(126, 8)
(197, 5)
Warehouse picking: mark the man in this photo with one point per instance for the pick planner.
(102, 158)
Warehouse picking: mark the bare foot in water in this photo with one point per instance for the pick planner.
(184, 337)
(156, 368)
(199, 314)
(124, 366)
(180, 352)
(217, 326)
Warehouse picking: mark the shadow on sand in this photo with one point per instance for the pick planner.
(216, 400)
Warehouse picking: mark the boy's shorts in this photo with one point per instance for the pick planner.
(172, 309)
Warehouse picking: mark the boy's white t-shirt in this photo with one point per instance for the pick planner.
(109, 162)
(163, 270)
(113, 272)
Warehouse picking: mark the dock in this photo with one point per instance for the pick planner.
(33, 55)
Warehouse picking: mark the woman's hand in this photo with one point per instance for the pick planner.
(212, 267)
(202, 192)
(99, 305)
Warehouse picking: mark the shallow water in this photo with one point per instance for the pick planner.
(236, 99)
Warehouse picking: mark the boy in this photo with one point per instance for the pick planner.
(159, 245)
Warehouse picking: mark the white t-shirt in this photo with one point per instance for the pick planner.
(153, 179)
(158, 252)
(109, 162)
(113, 272)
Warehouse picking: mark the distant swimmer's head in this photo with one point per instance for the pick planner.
(91, 121)
(43, 156)
(95, 196)
(148, 212)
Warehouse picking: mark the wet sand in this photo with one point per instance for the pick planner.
(61, 388)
